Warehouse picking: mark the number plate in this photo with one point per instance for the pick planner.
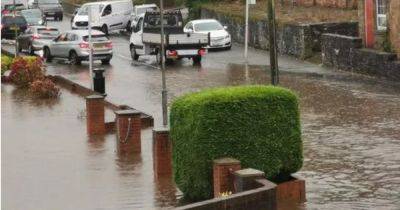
(14, 28)
(187, 52)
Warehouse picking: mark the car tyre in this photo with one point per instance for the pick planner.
(104, 29)
(60, 18)
(73, 58)
(134, 55)
(30, 50)
(196, 60)
(47, 55)
(128, 27)
(105, 61)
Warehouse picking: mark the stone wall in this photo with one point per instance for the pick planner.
(350, 4)
(394, 25)
(346, 53)
(299, 40)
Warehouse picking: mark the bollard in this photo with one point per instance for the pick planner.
(222, 175)
(128, 128)
(99, 81)
(162, 153)
(95, 115)
(245, 179)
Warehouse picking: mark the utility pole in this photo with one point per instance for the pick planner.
(162, 59)
(90, 47)
(272, 43)
(246, 35)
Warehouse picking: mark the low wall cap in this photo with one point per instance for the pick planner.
(226, 161)
(161, 129)
(249, 172)
(127, 112)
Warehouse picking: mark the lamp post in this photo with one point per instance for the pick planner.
(162, 59)
(246, 35)
(90, 46)
(272, 43)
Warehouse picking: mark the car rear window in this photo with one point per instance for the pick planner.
(96, 38)
(19, 20)
(48, 31)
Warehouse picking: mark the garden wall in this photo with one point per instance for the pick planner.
(346, 53)
(350, 4)
(299, 40)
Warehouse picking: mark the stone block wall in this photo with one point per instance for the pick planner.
(349, 4)
(347, 53)
(299, 40)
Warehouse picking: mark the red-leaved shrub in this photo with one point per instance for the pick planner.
(25, 70)
(44, 89)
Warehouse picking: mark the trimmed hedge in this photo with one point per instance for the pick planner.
(258, 125)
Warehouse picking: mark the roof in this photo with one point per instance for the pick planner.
(40, 27)
(105, 2)
(146, 5)
(204, 21)
(85, 32)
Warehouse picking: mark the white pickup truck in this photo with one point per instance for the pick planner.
(146, 38)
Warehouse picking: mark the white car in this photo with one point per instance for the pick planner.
(220, 37)
(106, 15)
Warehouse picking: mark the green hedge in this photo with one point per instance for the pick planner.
(259, 125)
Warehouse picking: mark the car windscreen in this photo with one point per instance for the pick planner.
(48, 31)
(144, 9)
(85, 9)
(10, 20)
(48, 2)
(96, 38)
(170, 20)
(35, 13)
(208, 26)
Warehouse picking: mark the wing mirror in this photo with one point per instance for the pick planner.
(188, 30)
(226, 27)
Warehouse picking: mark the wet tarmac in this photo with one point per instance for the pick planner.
(350, 126)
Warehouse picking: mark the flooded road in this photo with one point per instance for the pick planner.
(350, 124)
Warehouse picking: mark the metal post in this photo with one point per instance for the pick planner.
(90, 46)
(246, 36)
(162, 55)
(16, 40)
(272, 43)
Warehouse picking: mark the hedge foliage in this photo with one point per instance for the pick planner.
(258, 125)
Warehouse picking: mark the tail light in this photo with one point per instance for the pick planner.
(172, 53)
(202, 52)
(84, 45)
(35, 37)
(109, 45)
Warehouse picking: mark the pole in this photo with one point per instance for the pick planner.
(246, 36)
(90, 47)
(272, 43)
(162, 59)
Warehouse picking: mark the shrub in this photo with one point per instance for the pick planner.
(258, 125)
(25, 70)
(5, 63)
(44, 89)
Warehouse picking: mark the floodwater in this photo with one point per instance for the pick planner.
(350, 125)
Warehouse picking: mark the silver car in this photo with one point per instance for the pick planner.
(74, 46)
(35, 37)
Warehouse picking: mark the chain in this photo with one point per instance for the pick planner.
(127, 132)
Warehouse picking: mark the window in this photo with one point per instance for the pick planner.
(381, 9)
(107, 10)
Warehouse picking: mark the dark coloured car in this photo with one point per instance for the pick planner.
(50, 8)
(12, 8)
(34, 17)
(35, 37)
(12, 25)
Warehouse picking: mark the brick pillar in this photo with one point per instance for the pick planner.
(95, 115)
(222, 174)
(128, 128)
(162, 153)
(369, 33)
(245, 179)
(394, 25)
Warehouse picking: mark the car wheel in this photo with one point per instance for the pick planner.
(60, 17)
(128, 27)
(30, 49)
(134, 55)
(74, 59)
(105, 61)
(196, 60)
(47, 55)
(104, 29)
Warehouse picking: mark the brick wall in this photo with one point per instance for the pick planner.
(349, 4)
(394, 25)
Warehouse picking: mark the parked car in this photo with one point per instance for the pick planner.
(35, 37)
(139, 10)
(73, 15)
(34, 17)
(220, 37)
(106, 15)
(12, 25)
(50, 8)
(12, 9)
(74, 46)
(146, 39)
